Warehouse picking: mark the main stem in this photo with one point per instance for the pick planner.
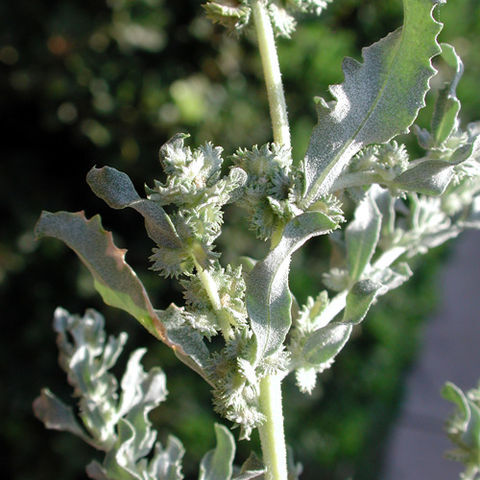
(271, 72)
(272, 435)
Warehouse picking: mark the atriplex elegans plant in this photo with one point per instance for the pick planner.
(401, 207)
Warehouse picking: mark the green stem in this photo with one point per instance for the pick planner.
(271, 432)
(211, 288)
(271, 71)
(272, 436)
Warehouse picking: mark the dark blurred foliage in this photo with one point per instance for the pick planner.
(107, 82)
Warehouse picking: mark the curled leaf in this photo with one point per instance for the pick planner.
(114, 279)
(217, 464)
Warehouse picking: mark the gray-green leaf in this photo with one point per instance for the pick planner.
(166, 464)
(362, 236)
(217, 464)
(359, 299)
(58, 416)
(322, 346)
(378, 100)
(430, 177)
(117, 190)
(447, 106)
(268, 296)
(114, 279)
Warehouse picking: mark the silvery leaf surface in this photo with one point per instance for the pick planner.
(429, 176)
(166, 464)
(362, 235)
(378, 100)
(217, 464)
(268, 296)
(57, 416)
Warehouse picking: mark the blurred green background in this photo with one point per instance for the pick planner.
(86, 83)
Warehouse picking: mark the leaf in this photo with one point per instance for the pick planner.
(251, 468)
(96, 471)
(447, 106)
(117, 190)
(268, 296)
(190, 348)
(57, 416)
(391, 277)
(114, 279)
(430, 177)
(453, 394)
(378, 100)
(359, 299)
(324, 344)
(362, 236)
(386, 205)
(217, 464)
(167, 464)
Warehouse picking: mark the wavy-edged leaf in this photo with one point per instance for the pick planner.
(166, 464)
(324, 344)
(117, 190)
(114, 279)
(362, 236)
(217, 464)
(359, 299)
(268, 296)
(378, 100)
(447, 106)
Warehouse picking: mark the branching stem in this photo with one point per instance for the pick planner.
(271, 71)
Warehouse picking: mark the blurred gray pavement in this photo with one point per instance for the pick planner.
(450, 351)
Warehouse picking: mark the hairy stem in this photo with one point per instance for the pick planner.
(272, 436)
(211, 288)
(271, 432)
(271, 71)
